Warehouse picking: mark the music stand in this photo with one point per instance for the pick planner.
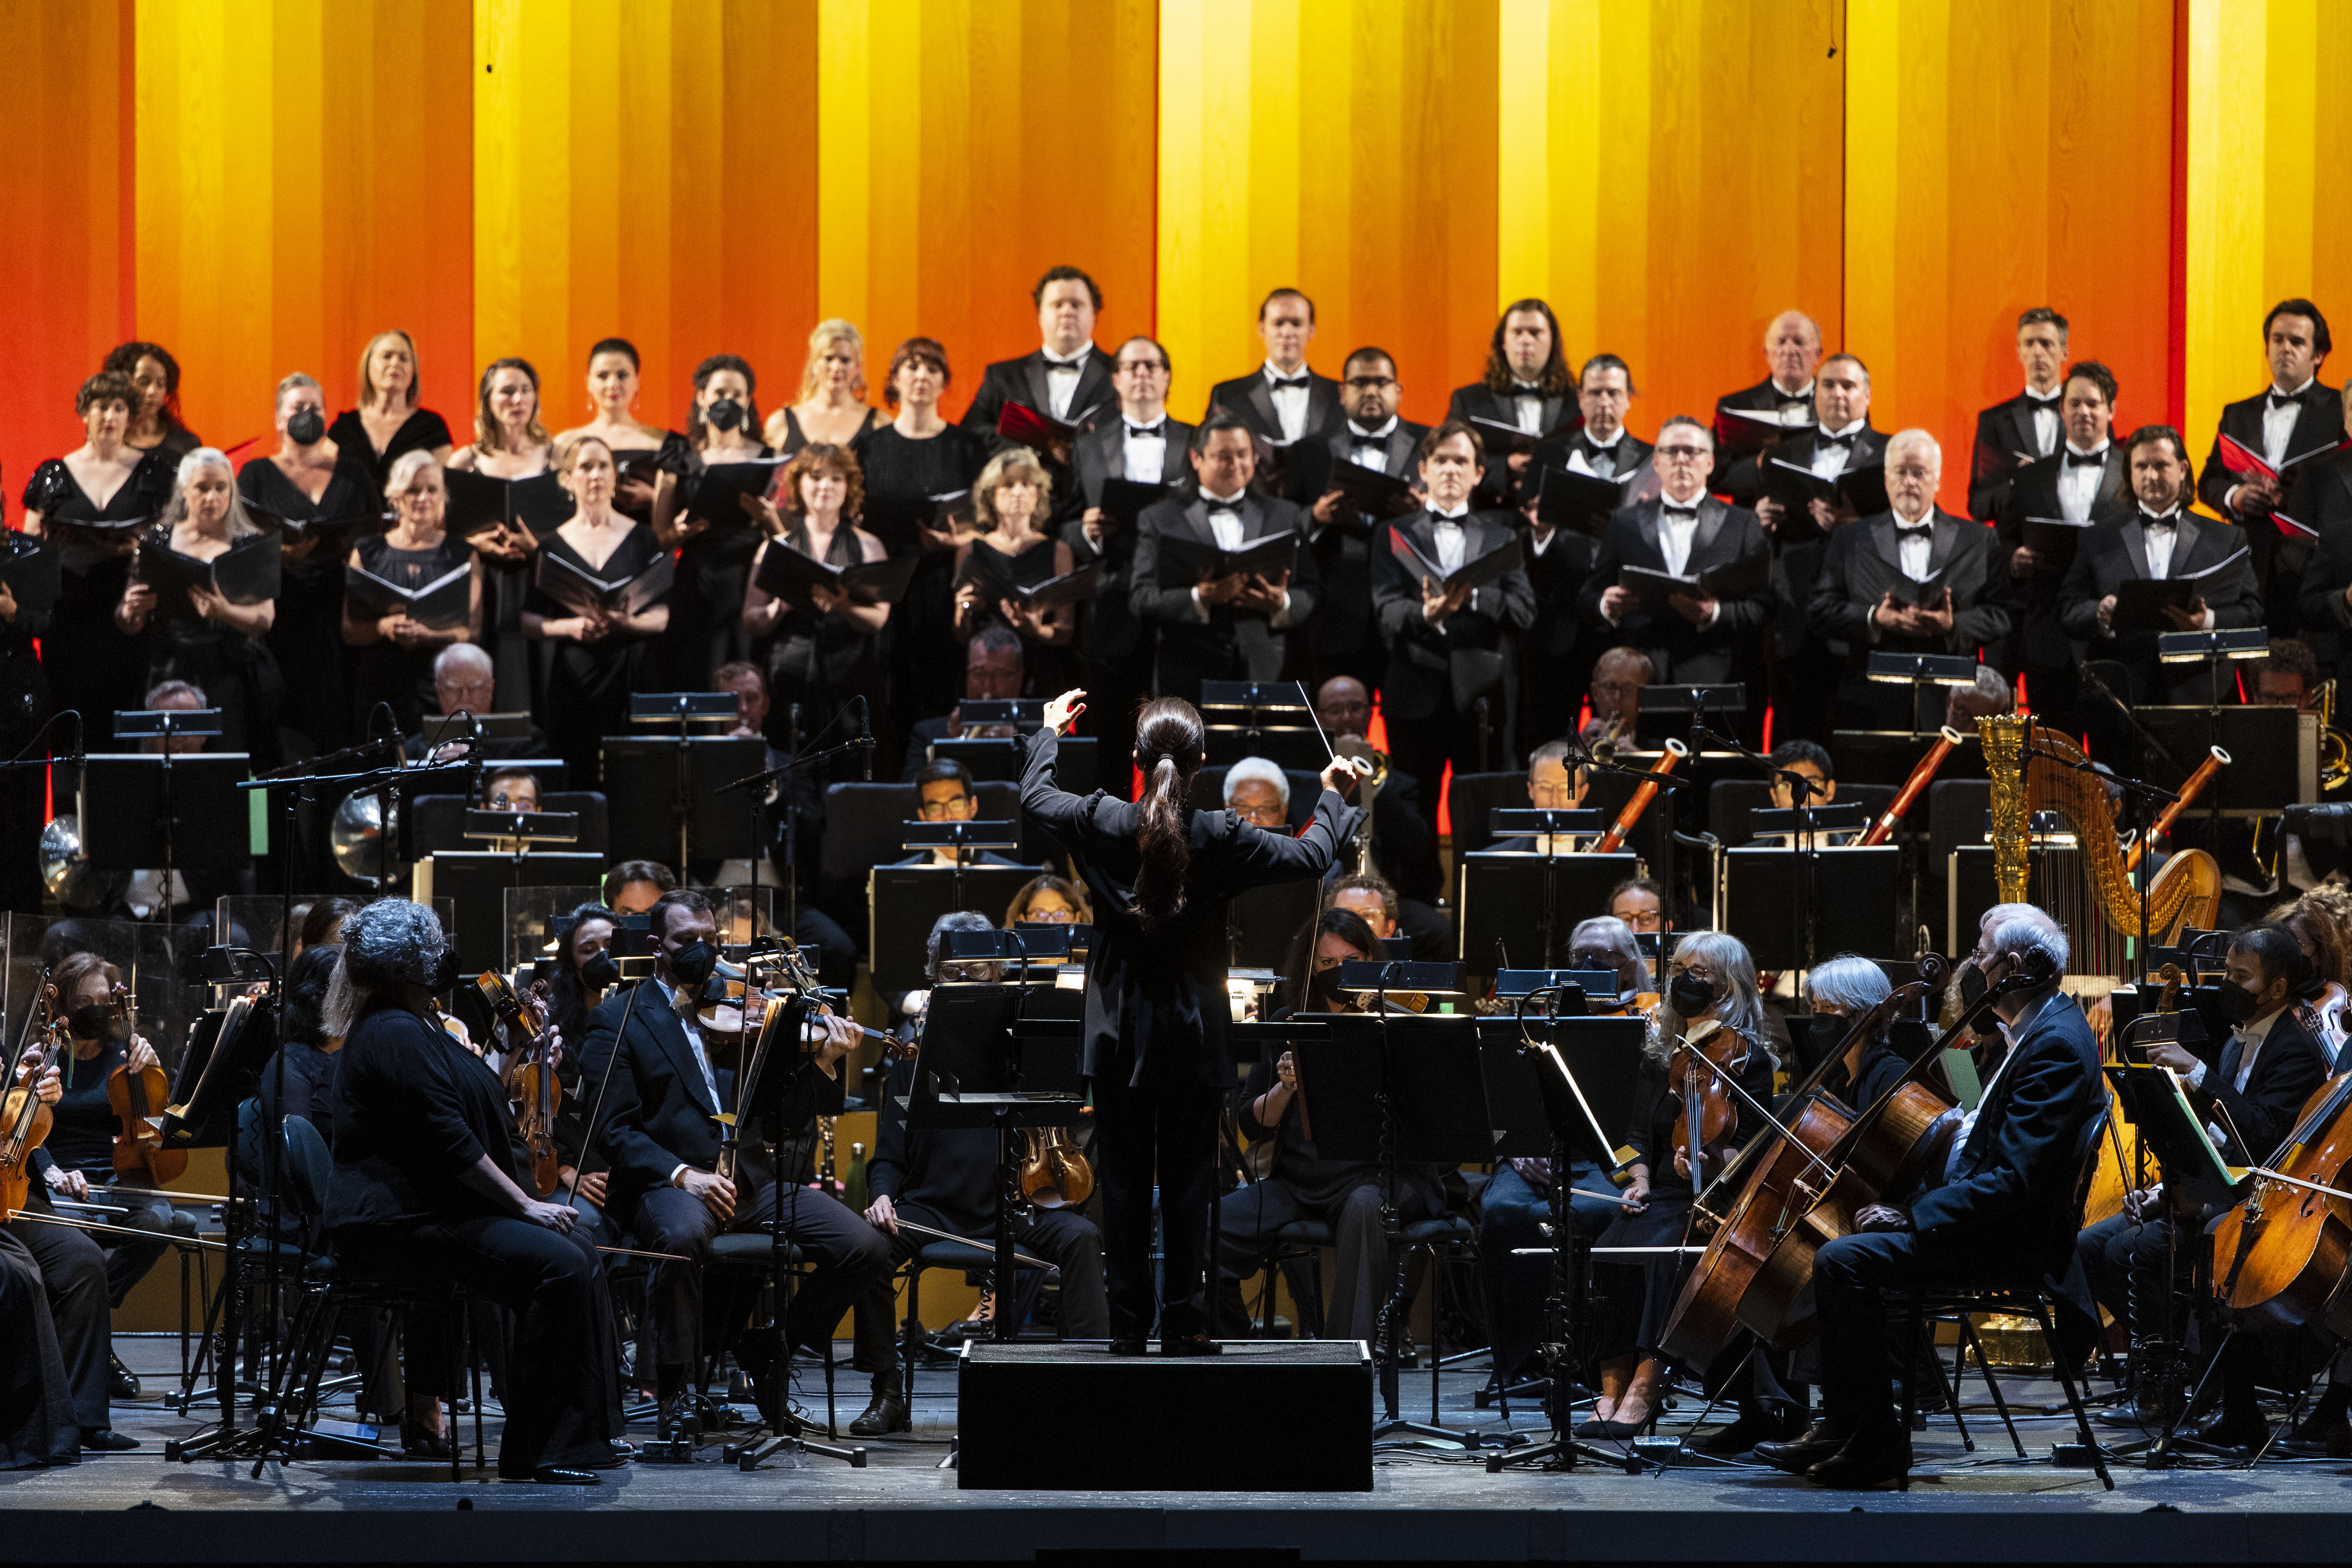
(685, 768)
(1000, 759)
(903, 902)
(1500, 888)
(1261, 718)
(1921, 673)
(1799, 903)
(1261, 921)
(143, 810)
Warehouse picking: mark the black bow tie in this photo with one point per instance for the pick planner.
(2146, 520)
(1360, 439)
(2278, 399)
(2039, 401)
(2086, 459)
(1823, 443)
(1681, 513)
(1159, 429)
(1793, 399)
(1053, 364)
(1292, 383)
(1527, 389)
(1914, 530)
(1440, 520)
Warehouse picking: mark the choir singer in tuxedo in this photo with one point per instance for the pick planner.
(1683, 530)
(1915, 579)
(2298, 415)
(2025, 428)
(1147, 446)
(2159, 538)
(1065, 378)
(1453, 652)
(1232, 626)
(1282, 402)
(1792, 352)
(1599, 445)
(1528, 384)
(1343, 640)
(2085, 482)
(2322, 498)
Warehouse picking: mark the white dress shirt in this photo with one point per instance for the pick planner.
(1370, 448)
(1526, 405)
(2010, 1035)
(1677, 531)
(1604, 465)
(2078, 484)
(2046, 423)
(1062, 378)
(1453, 538)
(2278, 423)
(701, 1059)
(1830, 462)
(1915, 538)
(2160, 534)
(1289, 404)
(1143, 452)
(2250, 1037)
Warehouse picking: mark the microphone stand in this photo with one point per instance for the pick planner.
(1800, 790)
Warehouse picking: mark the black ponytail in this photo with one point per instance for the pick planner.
(1168, 742)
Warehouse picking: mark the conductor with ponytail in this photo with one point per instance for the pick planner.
(1160, 874)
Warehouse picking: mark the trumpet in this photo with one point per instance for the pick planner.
(1372, 772)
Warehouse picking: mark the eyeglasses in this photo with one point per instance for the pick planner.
(934, 809)
(1615, 687)
(1682, 454)
(1370, 383)
(1141, 367)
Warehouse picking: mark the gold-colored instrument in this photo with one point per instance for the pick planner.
(1368, 790)
(2212, 764)
(2036, 769)
(2334, 745)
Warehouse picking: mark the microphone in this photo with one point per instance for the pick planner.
(864, 741)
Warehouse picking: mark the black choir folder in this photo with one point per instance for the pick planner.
(1070, 588)
(585, 592)
(1484, 572)
(907, 524)
(2140, 602)
(445, 602)
(786, 573)
(1795, 487)
(247, 573)
(1745, 432)
(1123, 500)
(720, 490)
(334, 534)
(1652, 589)
(2052, 540)
(1503, 439)
(1374, 494)
(1265, 555)
(478, 503)
(1584, 502)
(1019, 422)
(31, 570)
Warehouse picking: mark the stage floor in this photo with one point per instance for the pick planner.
(1429, 1504)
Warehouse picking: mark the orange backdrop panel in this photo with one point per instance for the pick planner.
(66, 184)
(2002, 155)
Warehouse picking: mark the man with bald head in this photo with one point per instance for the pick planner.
(1405, 846)
(465, 682)
(1792, 352)
(1913, 579)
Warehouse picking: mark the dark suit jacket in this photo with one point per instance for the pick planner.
(1559, 576)
(1682, 652)
(1186, 642)
(1343, 550)
(2106, 556)
(657, 1113)
(1479, 401)
(2015, 1197)
(1864, 562)
(1248, 399)
(1156, 1001)
(1107, 625)
(1472, 653)
(2004, 436)
(1763, 397)
(1801, 561)
(2290, 1065)
(1024, 381)
(2279, 562)
(2322, 498)
(2032, 491)
(1630, 453)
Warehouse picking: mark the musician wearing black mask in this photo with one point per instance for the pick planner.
(656, 1087)
(584, 971)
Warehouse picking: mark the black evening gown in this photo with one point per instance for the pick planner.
(821, 661)
(237, 674)
(386, 672)
(588, 684)
(795, 437)
(308, 636)
(706, 607)
(24, 709)
(924, 659)
(94, 669)
(1047, 670)
(422, 431)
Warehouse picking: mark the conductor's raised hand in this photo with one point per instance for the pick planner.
(1339, 777)
(1064, 710)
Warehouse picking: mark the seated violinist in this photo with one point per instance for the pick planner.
(1303, 1186)
(1516, 1202)
(946, 1182)
(2004, 1212)
(2248, 1093)
(1712, 980)
(659, 1130)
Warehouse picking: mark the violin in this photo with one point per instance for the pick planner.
(137, 1099)
(1054, 1175)
(1697, 1070)
(24, 1119)
(531, 1082)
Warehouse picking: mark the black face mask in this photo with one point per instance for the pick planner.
(1691, 995)
(2235, 1003)
(444, 972)
(599, 971)
(1324, 989)
(724, 414)
(94, 1021)
(695, 963)
(1973, 984)
(305, 428)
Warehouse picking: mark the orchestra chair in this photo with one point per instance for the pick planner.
(753, 1252)
(865, 825)
(440, 821)
(941, 1254)
(329, 1291)
(1447, 1239)
(1922, 1307)
(1729, 802)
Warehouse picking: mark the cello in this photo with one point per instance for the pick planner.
(2280, 1257)
(531, 1082)
(1706, 1316)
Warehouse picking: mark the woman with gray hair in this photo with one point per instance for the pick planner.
(1842, 989)
(1712, 980)
(426, 1182)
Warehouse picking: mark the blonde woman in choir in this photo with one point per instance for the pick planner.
(832, 409)
(389, 420)
(643, 451)
(395, 654)
(1011, 501)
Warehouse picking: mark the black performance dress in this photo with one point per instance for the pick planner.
(588, 685)
(422, 431)
(924, 659)
(412, 1111)
(93, 667)
(384, 671)
(714, 568)
(308, 636)
(821, 659)
(795, 437)
(236, 673)
(25, 709)
(1046, 668)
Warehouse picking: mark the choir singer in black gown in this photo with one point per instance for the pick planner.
(1157, 1047)
(427, 1186)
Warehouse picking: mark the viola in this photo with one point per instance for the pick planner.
(24, 1119)
(1700, 1066)
(137, 1099)
(1054, 1175)
(531, 1082)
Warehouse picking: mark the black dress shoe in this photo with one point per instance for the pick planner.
(886, 1414)
(122, 1383)
(564, 1476)
(1126, 1347)
(1753, 1426)
(2232, 1432)
(2317, 1439)
(1191, 1344)
(1875, 1460)
(106, 1440)
(1810, 1448)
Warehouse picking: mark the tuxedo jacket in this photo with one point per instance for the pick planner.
(1682, 652)
(2032, 491)
(2015, 1196)
(1629, 454)
(2005, 444)
(2320, 424)
(1024, 381)
(658, 1113)
(1479, 401)
(2322, 498)
(2290, 1065)
(1763, 397)
(2108, 556)
(1800, 562)
(1248, 399)
(1186, 642)
(1473, 652)
(1343, 550)
(1864, 562)
(1107, 625)
(1559, 576)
